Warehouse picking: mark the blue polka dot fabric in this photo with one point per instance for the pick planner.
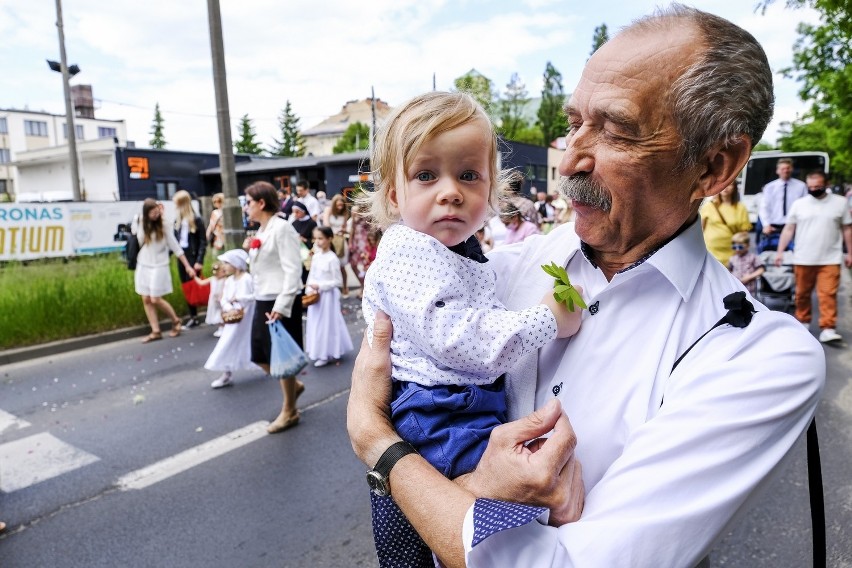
(397, 543)
(491, 516)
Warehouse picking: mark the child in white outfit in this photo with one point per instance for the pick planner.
(436, 171)
(233, 350)
(326, 335)
(214, 308)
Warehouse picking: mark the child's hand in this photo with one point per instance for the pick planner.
(567, 322)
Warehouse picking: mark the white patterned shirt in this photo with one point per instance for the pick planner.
(448, 326)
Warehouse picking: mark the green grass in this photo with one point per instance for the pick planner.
(52, 299)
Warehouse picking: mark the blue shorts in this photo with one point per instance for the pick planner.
(449, 425)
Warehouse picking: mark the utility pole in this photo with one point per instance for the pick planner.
(231, 211)
(69, 109)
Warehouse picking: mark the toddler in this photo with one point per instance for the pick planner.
(233, 350)
(436, 170)
(743, 264)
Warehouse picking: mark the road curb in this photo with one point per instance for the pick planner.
(56, 347)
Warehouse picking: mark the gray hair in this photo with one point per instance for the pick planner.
(726, 93)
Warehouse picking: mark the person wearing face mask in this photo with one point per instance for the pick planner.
(821, 223)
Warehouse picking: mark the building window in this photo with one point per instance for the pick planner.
(78, 130)
(166, 190)
(5, 156)
(4, 128)
(35, 128)
(4, 187)
(104, 132)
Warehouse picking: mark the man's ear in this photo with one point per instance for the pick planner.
(722, 164)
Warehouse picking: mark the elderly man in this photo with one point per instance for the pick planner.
(665, 115)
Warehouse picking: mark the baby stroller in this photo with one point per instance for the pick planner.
(776, 287)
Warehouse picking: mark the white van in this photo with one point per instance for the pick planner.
(760, 170)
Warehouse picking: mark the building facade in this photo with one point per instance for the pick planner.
(24, 131)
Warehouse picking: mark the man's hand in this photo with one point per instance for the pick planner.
(768, 229)
(779, 258)
(543, 472)
(848, 259)
(368, 412)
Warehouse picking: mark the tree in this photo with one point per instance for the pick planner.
(551, 115)
(355, 137)
(247, 144)
(822, 61)
(158, 141)
(292, 143)
(512, 106)
(600, 37)
(763, 145)
(479, 87)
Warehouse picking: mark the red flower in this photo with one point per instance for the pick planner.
(255, 244)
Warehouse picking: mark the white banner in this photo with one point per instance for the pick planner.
(41, 230)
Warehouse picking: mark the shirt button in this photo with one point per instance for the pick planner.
(440, 304)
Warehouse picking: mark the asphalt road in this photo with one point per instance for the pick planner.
(294, 499)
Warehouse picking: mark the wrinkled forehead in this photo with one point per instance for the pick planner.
(629, 78)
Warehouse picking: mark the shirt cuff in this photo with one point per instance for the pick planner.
(487, 517)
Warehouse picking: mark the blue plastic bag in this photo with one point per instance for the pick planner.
(286, 359)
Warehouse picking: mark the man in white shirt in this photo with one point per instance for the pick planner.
(654, 463)
(821, 223)
(303, 195)
(778, 196)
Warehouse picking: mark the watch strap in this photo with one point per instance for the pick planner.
(392, 455)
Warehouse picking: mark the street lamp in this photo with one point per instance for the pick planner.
(67, 73)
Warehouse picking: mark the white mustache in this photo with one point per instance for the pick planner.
(582, 189)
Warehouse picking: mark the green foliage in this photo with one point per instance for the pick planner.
(158, 141)
(563, 291)
(479, 87)
(511, 108)
(530, 134)
(355, 137)
(600, 37)
(292, 143)
(48, 300)
(247, 143)
(551, 115)
(763, 145)
(822, 61)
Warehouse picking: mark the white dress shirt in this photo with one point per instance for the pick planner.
(772, 209)
(669, 459)
(448, 326)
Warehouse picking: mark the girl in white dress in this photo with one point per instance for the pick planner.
(233, 350)
(326, 336)
(214, 307)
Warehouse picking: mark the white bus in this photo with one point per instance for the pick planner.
(760, 170)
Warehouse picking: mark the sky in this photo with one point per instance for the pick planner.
(319, 54)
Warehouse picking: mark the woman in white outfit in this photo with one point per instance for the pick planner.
(336, 216)
(153, 278)
(276, 268)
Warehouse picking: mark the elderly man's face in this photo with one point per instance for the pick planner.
(624, 142)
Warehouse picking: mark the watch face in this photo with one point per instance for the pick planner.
(377, 483)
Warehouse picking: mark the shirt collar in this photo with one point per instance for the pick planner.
(679, 258)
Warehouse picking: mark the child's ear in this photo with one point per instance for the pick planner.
(392, 198)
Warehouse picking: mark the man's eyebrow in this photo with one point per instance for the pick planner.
(625, 123)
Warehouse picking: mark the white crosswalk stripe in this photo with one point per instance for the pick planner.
(11, 422)
(36, 458)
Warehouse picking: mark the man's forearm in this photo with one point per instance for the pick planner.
(434, 505)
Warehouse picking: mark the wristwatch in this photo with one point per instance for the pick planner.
(377, 478)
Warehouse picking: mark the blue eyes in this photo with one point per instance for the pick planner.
(428, 176)
(425, 176)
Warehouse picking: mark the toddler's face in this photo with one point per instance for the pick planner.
(740, 248)
(446, 189)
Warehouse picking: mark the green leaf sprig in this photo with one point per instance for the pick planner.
(563, 291)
